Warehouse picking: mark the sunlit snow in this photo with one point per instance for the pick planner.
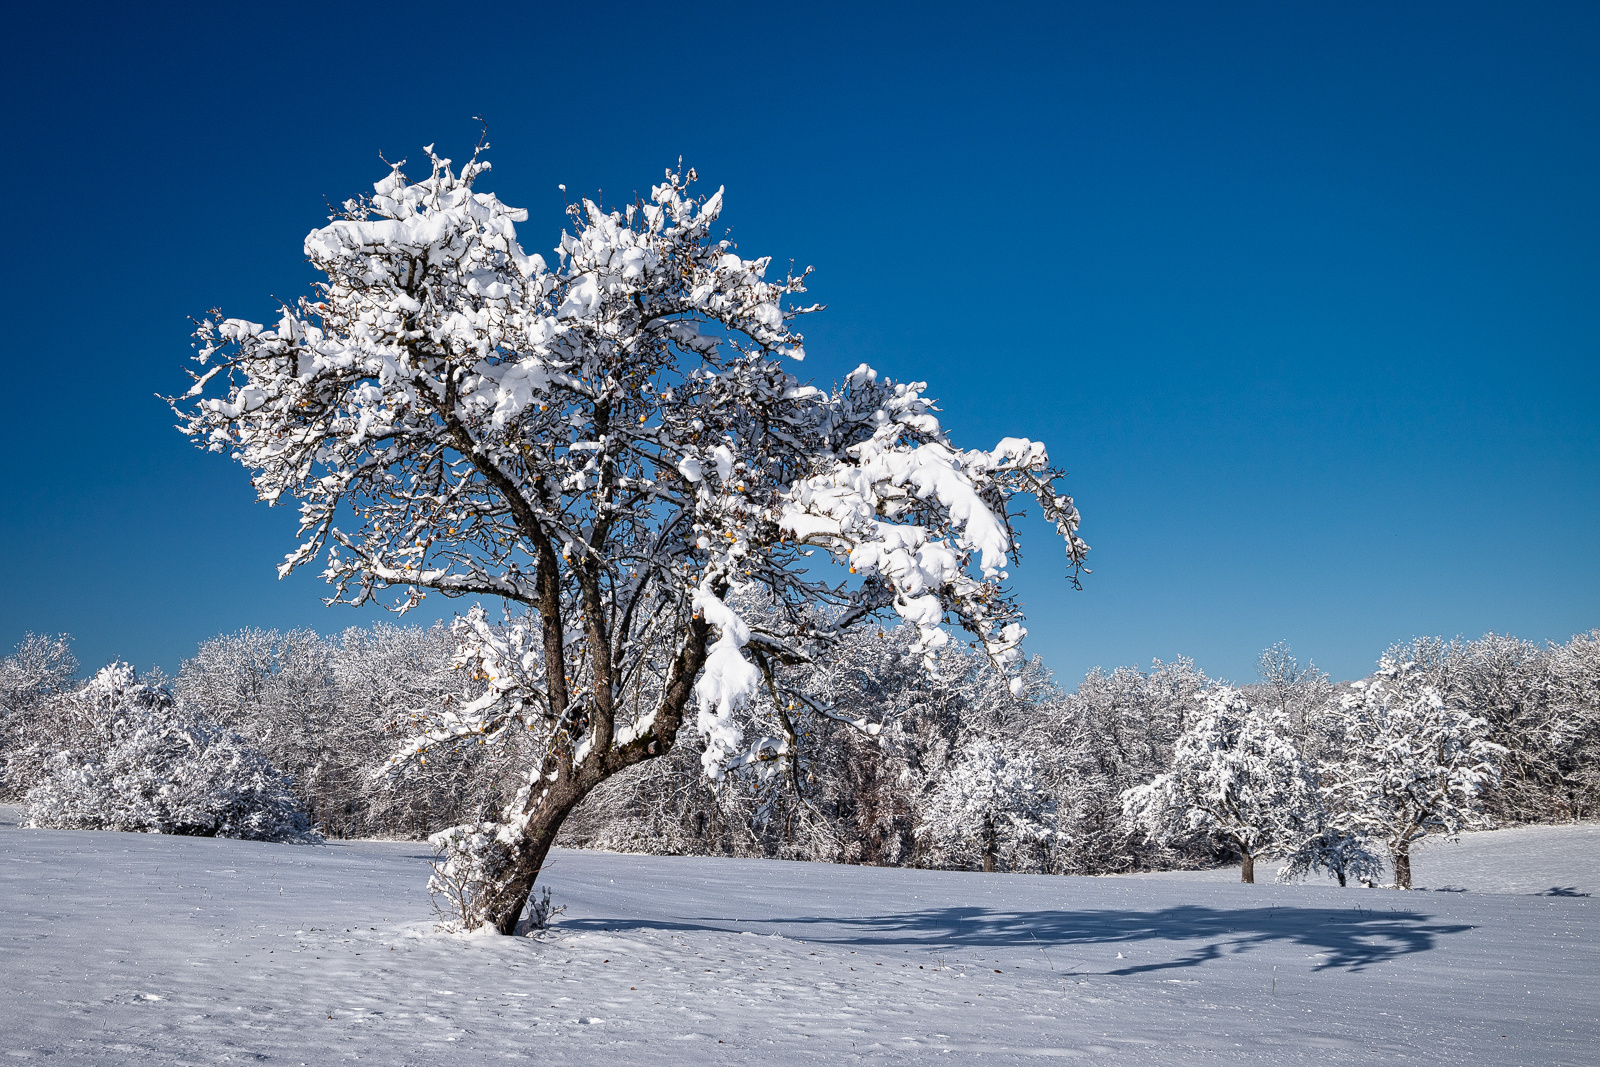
(134, 949)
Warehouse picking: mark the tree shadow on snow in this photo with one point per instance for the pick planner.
(1347, 938)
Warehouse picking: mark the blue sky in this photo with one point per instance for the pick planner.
(1305, 297)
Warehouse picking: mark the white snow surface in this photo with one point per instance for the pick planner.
(134, 949)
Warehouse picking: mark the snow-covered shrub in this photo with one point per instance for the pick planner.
(469, 865)
(1234, 777)
(1416, 766)
(152, 766)
(467, 861)
(542, 911)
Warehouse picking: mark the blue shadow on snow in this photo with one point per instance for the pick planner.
(1347, 938)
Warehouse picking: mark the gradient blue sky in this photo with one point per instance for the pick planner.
(1303, 295)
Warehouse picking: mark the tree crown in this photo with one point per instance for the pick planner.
(616, 442)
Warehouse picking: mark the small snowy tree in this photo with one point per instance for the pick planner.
(1417, 764)
(158, 769)
(990, 795)
(1334, 847)
(1234, 777)
(613, 445)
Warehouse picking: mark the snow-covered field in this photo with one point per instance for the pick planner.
(125, 948)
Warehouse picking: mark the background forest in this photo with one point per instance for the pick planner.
(963, 773)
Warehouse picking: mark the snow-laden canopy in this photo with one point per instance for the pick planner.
(615, 441)
(1417, 763)
(1236, 777)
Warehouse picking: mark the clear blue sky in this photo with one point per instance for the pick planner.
(1303, 295)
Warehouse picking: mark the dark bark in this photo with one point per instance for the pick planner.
(511, 895)
(548, 809)
(988, 844)
(1247, 866)
(1402, 865)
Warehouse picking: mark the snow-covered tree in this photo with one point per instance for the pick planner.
(277, 688)
(1336, 847)
(1234, 777)
(1576, 764)
(32, 679)
(1539, 704)
(1117, 730)
(990, 794)
(615, 445)
(278, 685)
(1416, 763)
(381, 673)
(1304, 695)
(162, 769)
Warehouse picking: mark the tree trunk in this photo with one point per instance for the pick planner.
(1247, 866)
(513, 884)
(509, 896)
(1402, 865)
(988, 844)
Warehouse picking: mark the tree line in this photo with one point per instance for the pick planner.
(962, 768)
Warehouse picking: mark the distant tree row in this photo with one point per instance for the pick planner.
(1150, 769)
(1134, 769)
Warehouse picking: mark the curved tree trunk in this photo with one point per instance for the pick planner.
(509, 897)
(548, 809)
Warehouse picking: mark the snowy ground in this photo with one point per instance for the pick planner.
(134, 949)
